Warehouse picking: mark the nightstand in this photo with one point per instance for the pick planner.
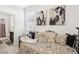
(77, 41)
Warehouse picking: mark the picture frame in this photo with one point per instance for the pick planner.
(41, 18)
(57, 15)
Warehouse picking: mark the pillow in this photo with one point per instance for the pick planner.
(42, 37)
(61, 39)
(46, 37)
(28, 40)
(51, 37)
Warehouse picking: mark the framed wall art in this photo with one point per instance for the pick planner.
(41, 18)
(57, 15)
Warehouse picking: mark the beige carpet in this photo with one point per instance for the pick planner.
(8, 49)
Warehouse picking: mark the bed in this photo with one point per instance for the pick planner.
(45, 43)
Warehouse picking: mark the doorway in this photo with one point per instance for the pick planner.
(7, 28)
(2, 28)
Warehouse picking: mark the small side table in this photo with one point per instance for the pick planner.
(77, 41)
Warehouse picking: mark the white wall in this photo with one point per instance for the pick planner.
(19, 19)
(71, 17)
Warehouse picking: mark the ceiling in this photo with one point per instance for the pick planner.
(19, 7)
(23, 6)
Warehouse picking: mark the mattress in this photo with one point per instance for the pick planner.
(47, 48)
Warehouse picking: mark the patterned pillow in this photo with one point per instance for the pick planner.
(61, 39)
(51, 37)
(42, 37)
(46, 37)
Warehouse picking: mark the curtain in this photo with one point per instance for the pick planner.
(2, 28)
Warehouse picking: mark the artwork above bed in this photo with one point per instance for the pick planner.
(41, 18)
(54, 16)
(57, 15)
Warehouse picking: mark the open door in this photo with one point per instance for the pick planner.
(2, 28)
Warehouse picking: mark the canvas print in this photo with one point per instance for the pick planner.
(41, 18)
(57, 15)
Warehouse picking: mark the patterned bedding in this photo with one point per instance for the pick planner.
(49, 48)
(47, 43)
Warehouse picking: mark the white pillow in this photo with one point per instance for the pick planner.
(61, 39)
(28, 40)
